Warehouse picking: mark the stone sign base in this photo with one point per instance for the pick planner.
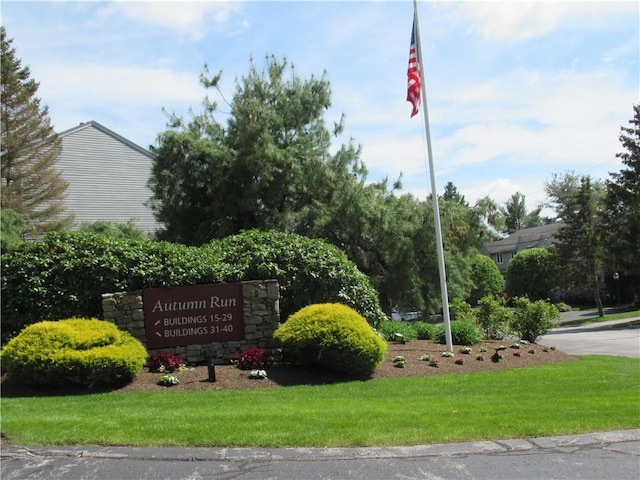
(261, 318)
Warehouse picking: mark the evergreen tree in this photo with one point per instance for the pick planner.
(580, 245)
(622, 221)
(516, 215)
(31, 185)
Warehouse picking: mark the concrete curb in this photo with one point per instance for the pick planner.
(188, 454)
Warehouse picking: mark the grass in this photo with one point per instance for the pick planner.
(593, 394)
(606, 318)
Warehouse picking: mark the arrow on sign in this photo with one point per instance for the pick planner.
(157, 323)
(158, 333)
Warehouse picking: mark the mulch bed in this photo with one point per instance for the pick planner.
(230, 377)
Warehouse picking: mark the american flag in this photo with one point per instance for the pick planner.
(413, 74)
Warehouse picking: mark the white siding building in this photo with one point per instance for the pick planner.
(107, 176)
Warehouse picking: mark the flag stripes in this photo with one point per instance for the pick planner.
(414, 80)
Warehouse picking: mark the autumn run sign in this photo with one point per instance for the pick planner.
(195, 314)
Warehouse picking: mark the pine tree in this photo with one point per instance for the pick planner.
(622, 223)
(31, 185)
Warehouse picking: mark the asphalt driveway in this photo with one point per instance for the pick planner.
(616, 337)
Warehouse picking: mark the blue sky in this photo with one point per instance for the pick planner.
(517, 91)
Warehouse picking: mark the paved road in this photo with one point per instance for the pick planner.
(597, 456)
(604, 338)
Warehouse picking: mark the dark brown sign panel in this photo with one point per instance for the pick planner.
(193, 314)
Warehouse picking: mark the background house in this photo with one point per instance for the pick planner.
(502, 251)
(107, 176)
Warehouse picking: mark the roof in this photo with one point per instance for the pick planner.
(111, 133)
(542, 236)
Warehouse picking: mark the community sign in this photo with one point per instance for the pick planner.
(196, 314)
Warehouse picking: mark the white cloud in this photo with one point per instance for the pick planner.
(192, 17)
(514, 20)
(105, 85)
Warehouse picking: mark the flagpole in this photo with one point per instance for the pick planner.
(434, 195)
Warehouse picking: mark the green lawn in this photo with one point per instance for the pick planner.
(606, 318)
(595, 393)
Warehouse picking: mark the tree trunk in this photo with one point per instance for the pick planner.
(596, 296)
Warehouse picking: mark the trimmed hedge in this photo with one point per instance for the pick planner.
(73, 352)
(308, 271)
(66, 274)
(332, 336)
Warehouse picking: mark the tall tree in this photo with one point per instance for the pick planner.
(516, 215)
(262, 170)
(580, 246)
(491, 218)
(622, 222)
(31, 184)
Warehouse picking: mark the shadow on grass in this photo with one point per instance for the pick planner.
(11, 388)
(293, 375)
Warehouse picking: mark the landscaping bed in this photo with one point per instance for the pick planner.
(231, 377)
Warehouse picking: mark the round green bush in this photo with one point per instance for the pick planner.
(73, 352)
(332, 336)
(462, 333)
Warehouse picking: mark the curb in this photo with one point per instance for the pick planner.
(196, 454)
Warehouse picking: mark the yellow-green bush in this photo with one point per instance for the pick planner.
(76, 351)
(333, 336)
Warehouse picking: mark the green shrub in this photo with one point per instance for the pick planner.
(309, 271)
(424, 330)
(493, 317)
(531, 320)
(459, 310)
(486, 277)
(76, 351)
(532, 273)
(66, 274)
(462, 333)
(332, 336)
(387, 329)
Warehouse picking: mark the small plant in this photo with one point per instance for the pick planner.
(515, 345)
(532, 351)
(166, 362)
(517, 353)
(168, 380)
(252, 358)
(426, 357)
(433, 362)
(258, 374)
(447, 354)
(465, 350)
(480, 357)
(545, 349)
(459, 361)
(399, 361)
(483, 349)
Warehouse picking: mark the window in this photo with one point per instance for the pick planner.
(499, 258)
